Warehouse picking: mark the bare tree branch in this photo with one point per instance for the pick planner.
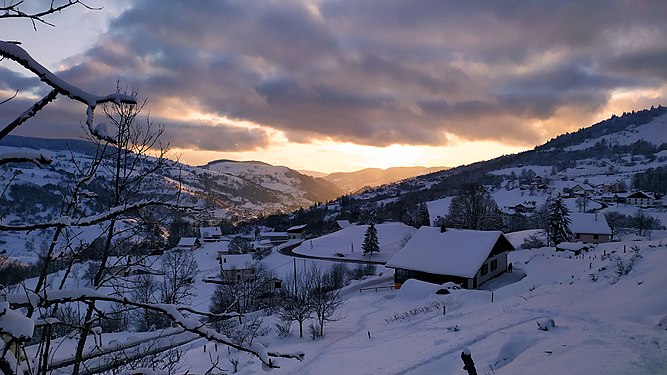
(174, 312)
(30, 112)
(13, 11)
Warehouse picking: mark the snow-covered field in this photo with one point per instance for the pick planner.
(608, 326)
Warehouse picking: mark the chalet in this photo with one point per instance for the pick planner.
(236, 268)
(589, 228)
(188, 244)
(210, 234)
(641, 199)
(611, 198)
(296, 232)
(466, 257)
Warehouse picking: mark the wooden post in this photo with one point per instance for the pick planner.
(491, 297)
(444, 309)
(468, 363)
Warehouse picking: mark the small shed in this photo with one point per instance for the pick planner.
(465, 257)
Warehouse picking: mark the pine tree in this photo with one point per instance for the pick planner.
(558, 225)
(371, 244)
(423, 218)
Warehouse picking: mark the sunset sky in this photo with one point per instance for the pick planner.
(348, 84)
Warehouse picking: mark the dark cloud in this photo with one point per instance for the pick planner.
(380, 71)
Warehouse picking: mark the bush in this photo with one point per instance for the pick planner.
(534, 241)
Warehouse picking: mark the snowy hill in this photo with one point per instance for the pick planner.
(352, 182)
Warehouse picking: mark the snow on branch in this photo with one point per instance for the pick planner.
(174, 312)
(28, 113)
(13, 51)
(67, 221)
(24, 157)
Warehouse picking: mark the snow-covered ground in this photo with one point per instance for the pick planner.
(609, 307)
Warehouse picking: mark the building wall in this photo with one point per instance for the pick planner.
(501, 267)
(591, 238)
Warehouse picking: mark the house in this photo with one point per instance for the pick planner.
(275, 238)
(641, 199)
(341, 224)
(296, 232)
(236, 268)
(589, 228)
(466, 257)
(188, 243)
(210, 234)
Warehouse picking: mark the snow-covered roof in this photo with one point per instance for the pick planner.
(589, 223)
(454, 252)
(236, 261)
(641, 195)
(208, 232)
(343, 223)
(187, 241)
(296, 228)
(273, 234)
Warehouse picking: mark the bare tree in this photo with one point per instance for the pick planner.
(474, 208)
(123, 154)
(179, 270)
(325, 297)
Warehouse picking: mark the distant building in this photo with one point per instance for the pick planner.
(296, 232)
(465, 257)
(342, 224)
(209, 234)
(590, 228)
(274, 238)
(641, 199)
(188, 243)
(236, 268)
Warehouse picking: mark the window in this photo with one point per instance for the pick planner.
(485, 269)
(494, 264)
(595, 236)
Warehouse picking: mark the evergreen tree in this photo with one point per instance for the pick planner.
(423, 218)
(371, 244)
(558, 225)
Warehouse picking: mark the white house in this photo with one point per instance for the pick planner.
(210, 233)
(236, 268)
(466, 257)
(590, 228)
(188, 243)
(296, 232)
(275, 238)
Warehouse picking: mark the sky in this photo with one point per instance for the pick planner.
(344, 85)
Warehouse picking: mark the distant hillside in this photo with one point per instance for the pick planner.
(352, 182)
(630, 150)
(80, 146)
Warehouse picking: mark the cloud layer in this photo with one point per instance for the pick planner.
(378, 72)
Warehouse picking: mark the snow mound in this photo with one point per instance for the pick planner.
(512, 348)
(417, 290)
